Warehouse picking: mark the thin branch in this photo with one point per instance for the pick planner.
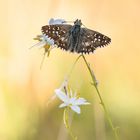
(95, 83)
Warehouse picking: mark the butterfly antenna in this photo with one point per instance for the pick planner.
(42, 61)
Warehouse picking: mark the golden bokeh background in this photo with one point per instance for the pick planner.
(25, 89)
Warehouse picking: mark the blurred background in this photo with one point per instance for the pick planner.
(25, 88)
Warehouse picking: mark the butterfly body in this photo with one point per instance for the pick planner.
(75, 38)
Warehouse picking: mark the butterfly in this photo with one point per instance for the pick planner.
(75, 38)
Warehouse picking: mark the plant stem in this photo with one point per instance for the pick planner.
(100, 97)
(67, 125)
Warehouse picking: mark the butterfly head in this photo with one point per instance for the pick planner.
(78, 22)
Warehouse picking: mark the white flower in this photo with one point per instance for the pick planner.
(70, 100)
(56, 21)
(44, 42)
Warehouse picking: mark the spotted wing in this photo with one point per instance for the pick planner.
(59, 33)
(90, 40)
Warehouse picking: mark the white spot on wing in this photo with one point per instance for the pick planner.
(64, 32)
(87, 43)
(95, 39)
(62, 38)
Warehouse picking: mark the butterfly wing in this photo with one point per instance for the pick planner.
(59, 33)
(90, 40)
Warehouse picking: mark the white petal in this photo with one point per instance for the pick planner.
(39, 44)
(61, 95)
(76, 109)
(51, 21)
(51, 99)
(50, 42)
(72, 101)
(45, 36)
(56, 21)
(63, 105)
(81, 101)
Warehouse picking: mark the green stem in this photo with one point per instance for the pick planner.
(100, 97)
(67, 125)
